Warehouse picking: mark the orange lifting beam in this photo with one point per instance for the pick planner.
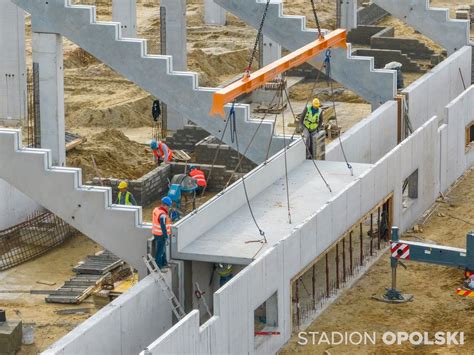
(255, 80)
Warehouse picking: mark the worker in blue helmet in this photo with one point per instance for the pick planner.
(162, 231)
(161, 151)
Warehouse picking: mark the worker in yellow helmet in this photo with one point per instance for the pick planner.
(124, 196)
(310, 122)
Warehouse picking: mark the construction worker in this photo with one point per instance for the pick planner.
(162, 230)
(161, 152)
(225, 273)
(199, 176)
(310, 121)
(124, 196)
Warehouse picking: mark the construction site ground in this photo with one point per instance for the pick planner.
(435, 307)
(53, 267)
(105, 108)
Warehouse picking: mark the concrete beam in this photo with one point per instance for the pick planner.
(214, 14)
(12, 62)
(48, 53)
(125, 12)
(175, 44)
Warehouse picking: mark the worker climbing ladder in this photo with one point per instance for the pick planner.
(158, 275)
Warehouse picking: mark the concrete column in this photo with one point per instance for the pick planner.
(271, 51)
(174, 42)
(125, 12)
(348, 14)
(48, 53)
(12, 62)
(214, 14)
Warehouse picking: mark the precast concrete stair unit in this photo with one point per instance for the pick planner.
(153, 73)
(89, 209)
(354, 72)
(434, 23)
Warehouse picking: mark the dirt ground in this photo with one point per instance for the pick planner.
(55, 266)
(436, 307)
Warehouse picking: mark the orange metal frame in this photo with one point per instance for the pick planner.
(255, 80)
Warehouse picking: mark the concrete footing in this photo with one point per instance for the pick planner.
(10, 337)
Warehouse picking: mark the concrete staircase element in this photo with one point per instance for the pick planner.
(385, 56)
(355, 73)
(86, 208)
(153, 73)
(432, 22)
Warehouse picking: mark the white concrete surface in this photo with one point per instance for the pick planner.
(48, 53)
(12, 62)
(226, 242)
(125, 326)
(125, 12)
(214, 14)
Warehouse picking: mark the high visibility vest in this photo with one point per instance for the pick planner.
(224, 269)
(199, 176)
(311, 120)
(159, 153)
(127, 198)
(156, 229)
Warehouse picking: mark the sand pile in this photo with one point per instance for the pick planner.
(115, 155)
(301, 92)
(216, 68)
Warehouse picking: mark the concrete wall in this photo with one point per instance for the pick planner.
(456, 158)
(125, 326)
(14, 206)
(429, 95)
(369, 139)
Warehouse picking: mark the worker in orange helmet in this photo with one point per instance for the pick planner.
(199, 176)
(162, 231)
(161, 151)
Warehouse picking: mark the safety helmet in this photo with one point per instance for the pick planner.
(166, 201)
(316, 102)
(122, 185)
(154, 144)
(192, 167)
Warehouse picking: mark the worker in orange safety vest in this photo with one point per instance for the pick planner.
(161, 152)
(162, 231)
(199, 176)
